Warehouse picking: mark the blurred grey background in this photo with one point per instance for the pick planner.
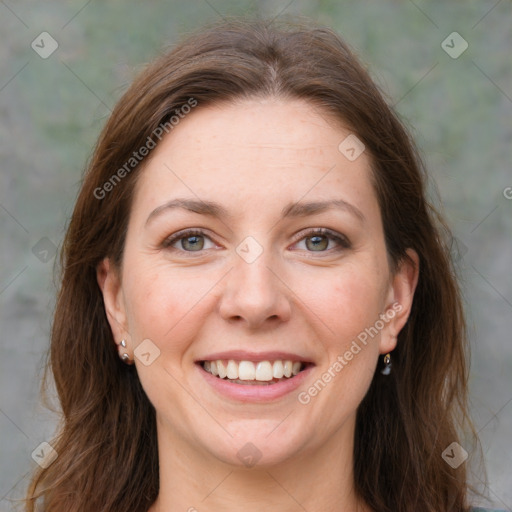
(456, 100)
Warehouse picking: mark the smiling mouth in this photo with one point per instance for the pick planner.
(249, 373)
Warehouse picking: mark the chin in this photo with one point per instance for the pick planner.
(256, 445)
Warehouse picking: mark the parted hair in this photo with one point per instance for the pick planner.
(106, 442)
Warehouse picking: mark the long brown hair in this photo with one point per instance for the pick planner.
(107, 449)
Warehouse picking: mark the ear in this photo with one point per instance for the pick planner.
(110, 285)
(399, 300)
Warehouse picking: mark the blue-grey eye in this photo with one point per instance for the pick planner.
(192, 243)
(188, 241)
(317, 242)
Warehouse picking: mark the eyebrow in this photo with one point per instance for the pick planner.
(298, 209)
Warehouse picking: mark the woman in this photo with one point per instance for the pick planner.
(257, 305)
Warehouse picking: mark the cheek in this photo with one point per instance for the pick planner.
(347, 300)
(163, 304)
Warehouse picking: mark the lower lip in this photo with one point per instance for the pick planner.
(255, 393)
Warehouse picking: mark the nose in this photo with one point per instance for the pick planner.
(255, 294)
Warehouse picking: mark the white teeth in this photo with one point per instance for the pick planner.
(261, 371)
(232, 370)
(246, 370)
(264, 371)
(221, 369)
(278, 369)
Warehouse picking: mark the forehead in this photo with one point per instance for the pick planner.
(256, 151)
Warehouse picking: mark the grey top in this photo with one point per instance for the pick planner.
(478, 509)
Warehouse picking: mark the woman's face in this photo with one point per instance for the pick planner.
(255, 281)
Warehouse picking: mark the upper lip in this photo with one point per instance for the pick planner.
(243, 355)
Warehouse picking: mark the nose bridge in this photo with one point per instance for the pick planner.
(253, 291)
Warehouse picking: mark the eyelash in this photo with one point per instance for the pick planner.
(342, 241)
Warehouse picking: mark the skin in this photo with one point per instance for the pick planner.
(254, 157)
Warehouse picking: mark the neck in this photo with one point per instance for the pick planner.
(319, 478)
